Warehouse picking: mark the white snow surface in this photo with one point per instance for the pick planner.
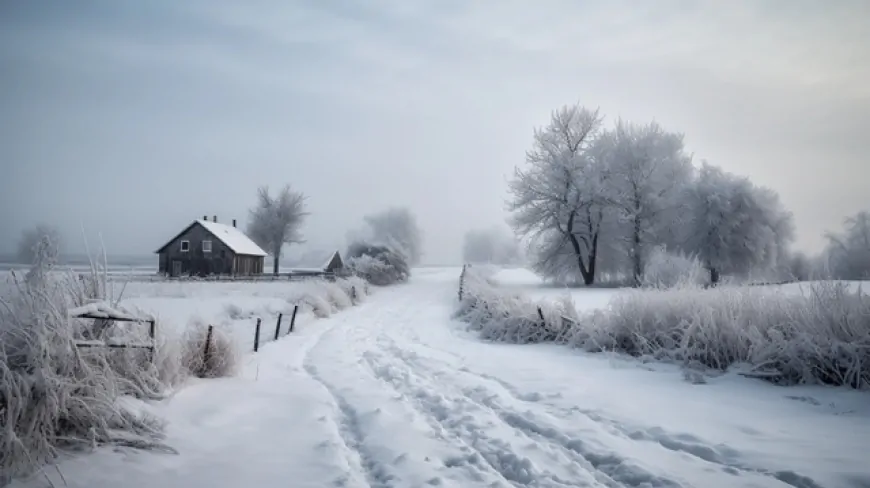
(393, 393)
(234, 238)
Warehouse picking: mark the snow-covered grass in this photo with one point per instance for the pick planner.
(57, 398)
(664, 269)
(818, 333)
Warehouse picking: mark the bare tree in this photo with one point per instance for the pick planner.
(42, 242)
(277, 221)
(557, 199)
(396, 228)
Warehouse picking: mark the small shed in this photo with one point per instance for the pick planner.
(334, 263)
(206, 248)
(317, 264)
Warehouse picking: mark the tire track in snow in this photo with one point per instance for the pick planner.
(493, 456)
(725, 458)
(721, 455)
(348, 424)
(607, 468)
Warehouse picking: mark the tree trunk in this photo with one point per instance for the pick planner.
(714, 276)
(276, 261)
(635, 251)
(588, 276)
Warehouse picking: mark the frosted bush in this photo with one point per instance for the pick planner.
(354, 287)
(668, 270)
(324, 298)
(379, 265)
(55, 397)
(817, 334)
(513, 318)
(220, 358)
(338, 298)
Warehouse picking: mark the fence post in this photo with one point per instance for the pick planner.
(278, 326)
(152, 333)
(461, 282)
(257, 335)
(207, 352)
(293, 318)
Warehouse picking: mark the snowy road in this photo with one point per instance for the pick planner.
(394, 394)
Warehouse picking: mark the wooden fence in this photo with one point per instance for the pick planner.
(292, 276)
(152, 332)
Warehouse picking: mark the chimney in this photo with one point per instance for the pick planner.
(214, 219)
(234, 222)
(205, 217)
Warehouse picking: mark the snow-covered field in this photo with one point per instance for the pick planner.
(233, 306)
(527, 283)
(394, 393)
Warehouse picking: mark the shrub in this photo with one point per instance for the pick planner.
(354, 287)
(55, 397)
(819, 333)
(668, 270)
(220, 360)
(379, 265)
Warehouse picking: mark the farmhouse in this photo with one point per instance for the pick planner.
(208, 248)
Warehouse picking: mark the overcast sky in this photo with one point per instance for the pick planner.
(132, 118)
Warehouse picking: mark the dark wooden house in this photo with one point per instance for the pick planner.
(206, 248)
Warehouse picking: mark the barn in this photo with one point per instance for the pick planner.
(206, 248)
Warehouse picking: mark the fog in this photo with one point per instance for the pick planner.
(130, 119)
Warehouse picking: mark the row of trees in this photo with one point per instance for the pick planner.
(596, 201)
(490, 246)
(276, 221)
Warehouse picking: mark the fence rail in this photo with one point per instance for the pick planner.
(152, 333)
(291, 276)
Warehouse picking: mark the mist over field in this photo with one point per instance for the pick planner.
(389, 244)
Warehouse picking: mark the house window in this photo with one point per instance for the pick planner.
(185, 246)
(206, 246)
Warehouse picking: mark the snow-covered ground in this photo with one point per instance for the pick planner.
(393, 393)
(233, 306)
(527, 283)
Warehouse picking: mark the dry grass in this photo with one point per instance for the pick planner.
(818, 335)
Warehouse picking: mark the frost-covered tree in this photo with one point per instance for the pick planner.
(489, 246)
(735, 226)
(378, 264)
(848, 252)
(396, 228)
(276, 221)
(42, 242)
(648, 172)
(557, 197)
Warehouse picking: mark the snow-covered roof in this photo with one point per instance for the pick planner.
(104, 310)
(235, 239)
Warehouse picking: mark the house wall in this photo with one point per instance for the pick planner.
(195, 261)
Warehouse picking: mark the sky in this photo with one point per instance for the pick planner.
(127, 119)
